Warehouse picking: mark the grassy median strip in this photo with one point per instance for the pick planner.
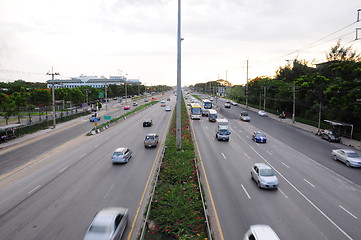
(177, 210)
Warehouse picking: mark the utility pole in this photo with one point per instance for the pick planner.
(247, 86)
(264, 98)
(294, 105)
(179, 82)
(52, 92)
(106, 97)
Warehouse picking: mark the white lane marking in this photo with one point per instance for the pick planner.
(247, 155)
(83, 155)
(347, 211)
(213, 138)
(107, 194)
(244, 189)
(224, 156)
(285, 165)
(304, 196)
(269, 152)
(308, 182)
(247, 136)
(63, 169)
(206, 127)
(282, 193)
(34, 190)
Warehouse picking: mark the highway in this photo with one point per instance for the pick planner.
(54, 191)
(313, 201)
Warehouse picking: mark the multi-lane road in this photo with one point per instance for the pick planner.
(52, 186)
(62, 179)
(317, 198)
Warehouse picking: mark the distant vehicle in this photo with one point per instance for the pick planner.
(330, 136)
(207, 104)
(168, 99)
(264, 176)
(244, 116)
(121, 155)
(260, 232)
(146, 100)
(135, 104)
(195, 110)
(147, 123)
(222, 130)
(167, 108)
(95, 117)
(108, 224)
(151, 140)
(259, 137)
(227, 104)
(234, 103)
(349, 157)
(262, 113)
(212, 115)
(162, 103)
(126, 107)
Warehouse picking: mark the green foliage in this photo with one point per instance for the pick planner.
(177, 209)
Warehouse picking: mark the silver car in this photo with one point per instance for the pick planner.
(264, 176)
(121, 155)
(151, 140)
(349, 157)
(108, 224)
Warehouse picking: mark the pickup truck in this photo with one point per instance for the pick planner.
(349, 157)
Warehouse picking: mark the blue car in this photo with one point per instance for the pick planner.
(259, 137)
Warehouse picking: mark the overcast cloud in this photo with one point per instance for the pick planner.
(138, 37)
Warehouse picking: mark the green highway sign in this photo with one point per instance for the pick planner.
(107, 117)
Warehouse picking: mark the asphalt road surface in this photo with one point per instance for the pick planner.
(312, 202)
(62, 180)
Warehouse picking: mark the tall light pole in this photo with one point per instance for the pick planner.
(179, 81)
(52, 92)
(247, 86)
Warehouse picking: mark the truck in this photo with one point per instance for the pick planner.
(95, 117)
(222, 130)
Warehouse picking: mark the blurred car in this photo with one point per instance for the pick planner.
(259, 137)
(227, 104)
(264, 176)
(151, 140)
(126, 107)
(121, 155)
(262, 113)
(330, 136)
(146, 100)
(349, 157)
(234, 103)
(244, 116)
(168, 99)
(147, 123)
(167, 108)
(260, 232)
(108, 224)
(135, 104)
(162, 103)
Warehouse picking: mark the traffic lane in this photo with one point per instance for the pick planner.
(315, 183)
(312, 146)
(90, 181)
(228, 177)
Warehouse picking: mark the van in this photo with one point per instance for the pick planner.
(212, 115)
(260, 232)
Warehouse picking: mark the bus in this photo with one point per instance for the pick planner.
(207, 104)
(196, 112)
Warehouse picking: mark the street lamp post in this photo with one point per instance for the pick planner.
(53, 95)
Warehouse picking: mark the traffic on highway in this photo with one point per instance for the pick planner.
(259, 175)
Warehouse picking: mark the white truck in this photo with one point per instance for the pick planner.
(222, 130)
(212, 116)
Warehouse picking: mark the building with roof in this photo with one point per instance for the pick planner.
(90, 81)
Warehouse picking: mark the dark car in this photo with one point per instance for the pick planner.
(330, 136)
(147, 123)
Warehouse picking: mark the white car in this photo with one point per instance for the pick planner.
(262, 113)
(260, 232)
(167, 108)
(264, 176)
(349, 157)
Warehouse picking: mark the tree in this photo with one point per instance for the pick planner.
(339, 53)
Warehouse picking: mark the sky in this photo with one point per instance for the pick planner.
(138, 38)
